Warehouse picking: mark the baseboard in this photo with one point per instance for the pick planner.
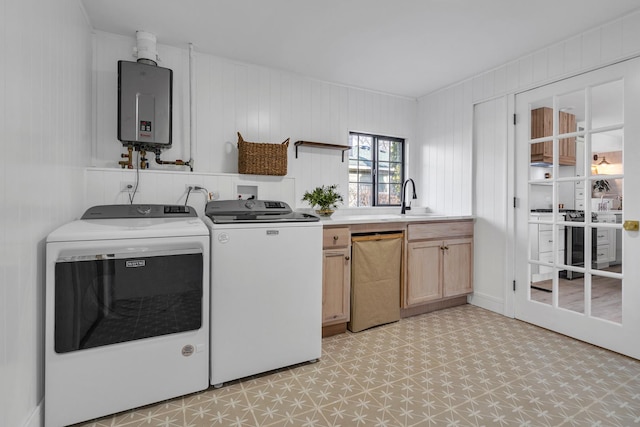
(36, 419)
(433, 306)
(487, 302)
(331, 330)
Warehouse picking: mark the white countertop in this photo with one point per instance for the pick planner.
(347, 219)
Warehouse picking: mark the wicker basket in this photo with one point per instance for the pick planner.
(259, 158)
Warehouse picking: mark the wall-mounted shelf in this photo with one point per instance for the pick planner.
(322, 145)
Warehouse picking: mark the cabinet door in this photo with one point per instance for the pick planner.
(457, 267)
(542, 126)
(567, 146)
(336, 291)
(424, 262)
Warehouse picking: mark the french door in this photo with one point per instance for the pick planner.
(577, 148)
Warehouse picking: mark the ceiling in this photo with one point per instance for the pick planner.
(401, 47)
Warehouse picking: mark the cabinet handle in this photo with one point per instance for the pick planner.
(444, 248)
(347, 258)
(335, 238)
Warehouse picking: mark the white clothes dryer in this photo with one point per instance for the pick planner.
(126, 310)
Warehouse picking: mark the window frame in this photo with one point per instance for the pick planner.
(375, 164)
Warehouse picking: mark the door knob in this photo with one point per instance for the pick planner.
(631, 225)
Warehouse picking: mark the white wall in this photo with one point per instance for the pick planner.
(490, 191)
(443, 154)
(45, 98)
(264, 105)
(445, 121)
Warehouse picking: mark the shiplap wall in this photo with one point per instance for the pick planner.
(45, 99)
(445, 129)
(443, 156)
(263, 104)
(489, 193)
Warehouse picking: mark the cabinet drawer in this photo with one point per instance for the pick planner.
(545, 240)
(602, 236)
(602, 253)
(545, 227)
(443, 230)
(546, 257)
(611, 219)
(336, 237)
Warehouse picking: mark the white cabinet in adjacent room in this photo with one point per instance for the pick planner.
(605, 241)
(542, 247)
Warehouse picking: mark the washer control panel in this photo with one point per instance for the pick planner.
(247, 207)
(139, 211)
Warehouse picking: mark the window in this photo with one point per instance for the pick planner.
(376, 170)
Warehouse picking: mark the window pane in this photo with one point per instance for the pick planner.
(606, 153)
(383, 194)
(394, 194)
(395, 173)
(383, 172)
(572, 111)
(383, 150)
(360, 194)
(395, 151)
(607, 104)
(375, 164)
(361, 147)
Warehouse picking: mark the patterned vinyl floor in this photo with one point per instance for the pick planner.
(463, 366)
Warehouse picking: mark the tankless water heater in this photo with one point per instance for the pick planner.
(144, 104)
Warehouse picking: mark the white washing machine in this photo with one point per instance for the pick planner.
(127, 310)
(266, 287)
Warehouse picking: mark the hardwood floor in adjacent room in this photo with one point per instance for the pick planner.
(606, 295)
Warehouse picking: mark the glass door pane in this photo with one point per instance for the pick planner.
(571, 251)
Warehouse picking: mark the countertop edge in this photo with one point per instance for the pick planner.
(358, 219)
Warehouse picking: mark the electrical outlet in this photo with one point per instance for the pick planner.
(192, 186)
(128, 187)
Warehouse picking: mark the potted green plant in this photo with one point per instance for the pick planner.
(325, 197)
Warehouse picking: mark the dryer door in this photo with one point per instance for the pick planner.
(108, 298)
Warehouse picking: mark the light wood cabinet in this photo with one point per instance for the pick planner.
(336, 277)
(424, 260)
(542, 126)
(457, 260)
(439, 262)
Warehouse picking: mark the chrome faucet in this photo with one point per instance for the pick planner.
(404, 207)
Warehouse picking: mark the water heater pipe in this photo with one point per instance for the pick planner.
(176, 162)
(146, 48)
(192, 106)
(129, 156)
